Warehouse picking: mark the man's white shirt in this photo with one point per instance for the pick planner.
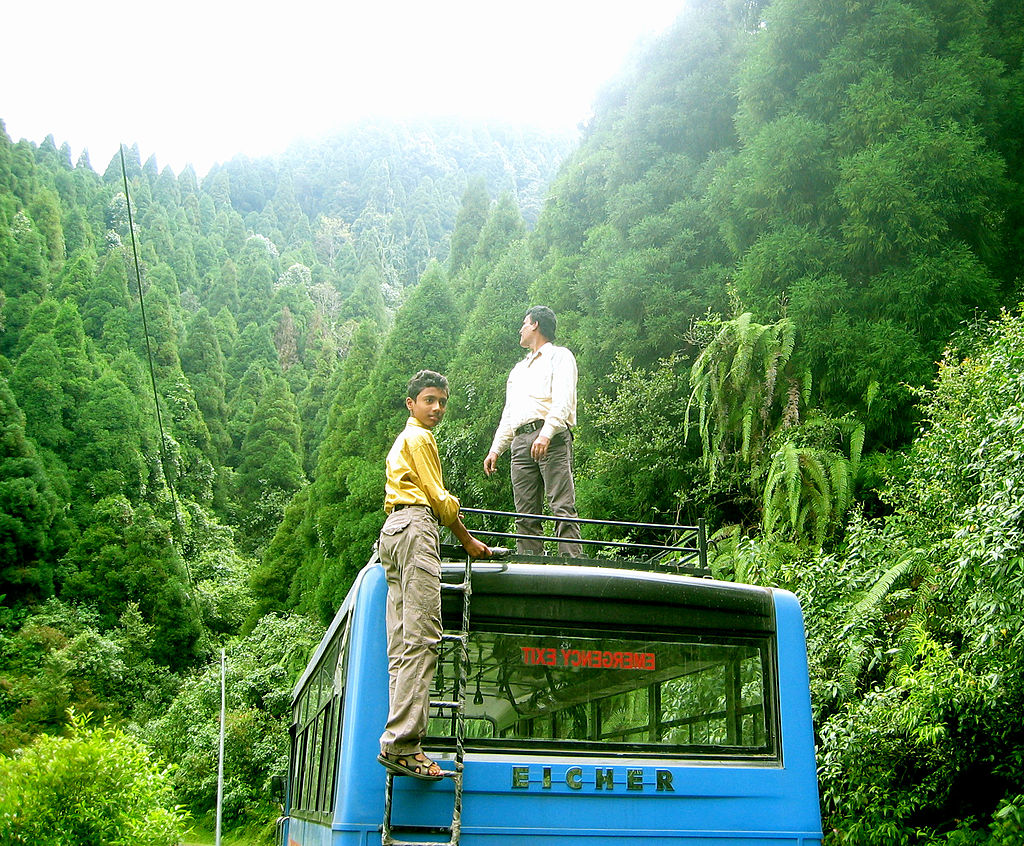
(540, 387)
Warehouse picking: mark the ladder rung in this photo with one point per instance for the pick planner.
(456, 586)
(454, 638)
(421, 829)
(444, 703)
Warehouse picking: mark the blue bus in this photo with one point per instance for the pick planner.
(605, 700)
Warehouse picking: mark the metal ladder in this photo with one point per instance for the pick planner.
(457, 706)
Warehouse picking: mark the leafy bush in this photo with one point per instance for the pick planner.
(914, 628)
(97, 787)
(261, 671)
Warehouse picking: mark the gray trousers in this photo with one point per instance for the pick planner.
(409, 549)
(531, 480)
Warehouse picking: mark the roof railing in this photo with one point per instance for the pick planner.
(685, 549)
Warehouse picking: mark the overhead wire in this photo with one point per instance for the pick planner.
(152, 372)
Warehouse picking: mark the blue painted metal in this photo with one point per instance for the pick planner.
(560, 799)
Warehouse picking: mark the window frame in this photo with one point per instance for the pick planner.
(767, 754)
(318, 714)
(588, 601)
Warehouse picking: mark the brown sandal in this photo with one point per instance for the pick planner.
(418, 765)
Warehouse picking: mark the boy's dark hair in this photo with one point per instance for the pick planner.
(545, 320)
(425, 379)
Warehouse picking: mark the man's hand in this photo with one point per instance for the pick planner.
(539, 448)
(491, 463)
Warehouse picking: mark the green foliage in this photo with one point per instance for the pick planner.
(809, 482)
(870, 177)
(99, 785)
(30, 522)
(914, 629)
(270, 471)
(125, 556)
(261, 670)
(61, 658)
(744, 388)
(639, 424)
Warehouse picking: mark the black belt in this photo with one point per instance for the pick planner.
(399, 506)
(532, 426)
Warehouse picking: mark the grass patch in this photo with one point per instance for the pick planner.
(201, 836)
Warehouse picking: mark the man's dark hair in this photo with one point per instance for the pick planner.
(545, 320)
(425, 379)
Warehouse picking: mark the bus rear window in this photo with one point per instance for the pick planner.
(657, 695)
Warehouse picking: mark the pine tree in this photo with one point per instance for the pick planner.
(203, 364)
(468, 225)
(270, 469)
(30, 516)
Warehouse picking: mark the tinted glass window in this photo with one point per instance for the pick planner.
(654, 694)
(317, 714)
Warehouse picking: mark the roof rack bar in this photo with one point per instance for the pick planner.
(621, 544)
(588, 520)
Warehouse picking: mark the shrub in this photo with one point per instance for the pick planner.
(97, 787)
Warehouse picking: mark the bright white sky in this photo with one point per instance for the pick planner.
(198, 81)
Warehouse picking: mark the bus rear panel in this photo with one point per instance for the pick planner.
(602, 705)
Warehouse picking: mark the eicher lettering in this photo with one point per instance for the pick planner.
(552, 657)
(605, 779)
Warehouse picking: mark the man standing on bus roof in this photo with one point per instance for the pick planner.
(409, 547)
(540, 411)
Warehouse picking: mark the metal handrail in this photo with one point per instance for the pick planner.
(618, 523)
(660, 551)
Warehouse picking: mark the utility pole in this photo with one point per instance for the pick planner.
(220, 757)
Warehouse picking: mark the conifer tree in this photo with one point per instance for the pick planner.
(468, 225)
(487, 350)
(424, 335)
(203, 364)
(107, 451)
(126, 555)
(270, 470)
(36, 384)
(106, 309)
(30, 515)
(24, 273)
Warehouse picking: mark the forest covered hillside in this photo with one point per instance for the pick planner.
(786, 253)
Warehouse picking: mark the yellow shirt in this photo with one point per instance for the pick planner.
(413, 470)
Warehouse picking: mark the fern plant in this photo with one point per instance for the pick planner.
(809, 486)
(742, 389)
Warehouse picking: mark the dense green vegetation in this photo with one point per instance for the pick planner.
(786, 254)
(133, 529)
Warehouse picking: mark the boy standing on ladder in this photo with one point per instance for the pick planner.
(409, 546)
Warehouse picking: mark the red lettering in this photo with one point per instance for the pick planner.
(554, 657)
